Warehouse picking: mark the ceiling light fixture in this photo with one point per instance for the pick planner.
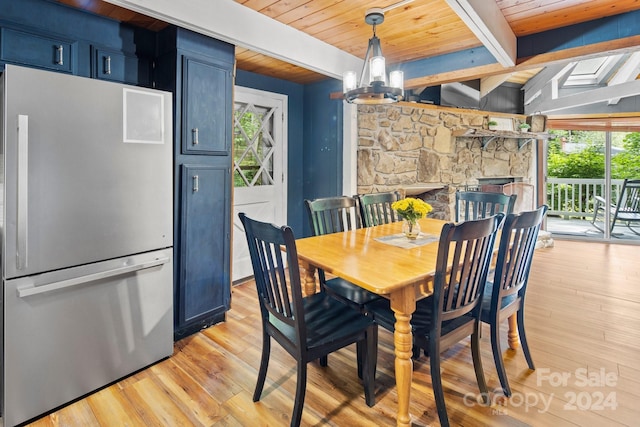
(376, 91)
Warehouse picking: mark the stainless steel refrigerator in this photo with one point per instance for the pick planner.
(86, 236)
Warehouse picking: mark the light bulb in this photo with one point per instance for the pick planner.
(349, 81)
(376, 69)
(396, 79)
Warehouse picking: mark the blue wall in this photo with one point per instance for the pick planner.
(323, 141)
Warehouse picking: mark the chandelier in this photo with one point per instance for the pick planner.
(376, 91)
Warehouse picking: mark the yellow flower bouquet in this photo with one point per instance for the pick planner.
(411, 209)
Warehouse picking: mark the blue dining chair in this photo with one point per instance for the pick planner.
(375, 208)
(452, 313)
(310, 327)
(479, 204)
(334, 215)
(505, 295)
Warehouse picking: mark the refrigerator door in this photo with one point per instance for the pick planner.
(88, 169)
(69, 332)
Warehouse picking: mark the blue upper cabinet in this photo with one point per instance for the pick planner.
(51, 36)
(205, 107)
(118, 66)
(38, 50)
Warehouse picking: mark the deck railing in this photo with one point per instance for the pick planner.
(573, 197)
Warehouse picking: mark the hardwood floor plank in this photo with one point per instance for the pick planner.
(190, 397)
(582, 318)
(111, 407)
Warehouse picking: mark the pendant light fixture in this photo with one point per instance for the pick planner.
(376, 90)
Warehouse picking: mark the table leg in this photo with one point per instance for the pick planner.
(308, 277)
(403, 303)
(513, 337)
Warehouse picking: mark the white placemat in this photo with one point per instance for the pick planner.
(401, 240)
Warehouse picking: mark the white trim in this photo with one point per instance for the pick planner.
(485, 19)
(239, 25)
(349, 149)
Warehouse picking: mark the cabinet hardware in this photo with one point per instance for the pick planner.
(196, 183)
(60, 55)
(23, 200)
(195, 141)
(82, 280)
(107, 65)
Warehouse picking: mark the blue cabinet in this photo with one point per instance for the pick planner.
(117, 66)
(198, 70)
(206, 107)
(48, 35)
(38, 50)
(204, 245)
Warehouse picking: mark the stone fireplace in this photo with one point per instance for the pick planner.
(412, 148)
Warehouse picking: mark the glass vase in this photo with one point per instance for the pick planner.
(411, 229)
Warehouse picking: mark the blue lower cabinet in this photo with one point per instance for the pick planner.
(204, 294)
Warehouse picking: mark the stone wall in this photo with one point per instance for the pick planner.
(408, 144)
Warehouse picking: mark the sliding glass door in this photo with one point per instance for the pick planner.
(585, 173)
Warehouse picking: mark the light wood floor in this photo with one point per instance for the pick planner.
(583, 323)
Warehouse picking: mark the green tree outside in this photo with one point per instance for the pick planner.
(590, 161)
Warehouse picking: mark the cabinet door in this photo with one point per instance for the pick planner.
(113, 65)
(37, 50)
(204, 288)
(206, 107)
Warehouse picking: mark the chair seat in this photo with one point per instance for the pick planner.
(420, 320)
(628, 216)
(486, 302)
(327, 321)
(347, 290)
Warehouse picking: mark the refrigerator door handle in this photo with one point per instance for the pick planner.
(23, 187)
(34, 290)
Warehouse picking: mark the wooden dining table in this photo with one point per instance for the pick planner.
(404, 275)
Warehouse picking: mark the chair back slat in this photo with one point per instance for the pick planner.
(630, 196)
(515, 253)
(472, 205)
(468, 248)
(279, 293)
(333, 214)
(375, 208)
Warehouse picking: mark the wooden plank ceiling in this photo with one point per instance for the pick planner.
(412, 29)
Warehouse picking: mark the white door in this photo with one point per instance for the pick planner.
(259, 166)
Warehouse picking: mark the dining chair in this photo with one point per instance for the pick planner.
(504, 295)
(375, 208)
(472, 205)
(334, 215)
(453, 312)
(308, 328)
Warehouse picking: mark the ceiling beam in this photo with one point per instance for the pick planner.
(590, 97)
(485, 19)
(627, 72)
(487, 84)
(233, 23)
(534, 86)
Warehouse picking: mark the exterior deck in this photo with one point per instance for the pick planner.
(570, 203)
(582, 228)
